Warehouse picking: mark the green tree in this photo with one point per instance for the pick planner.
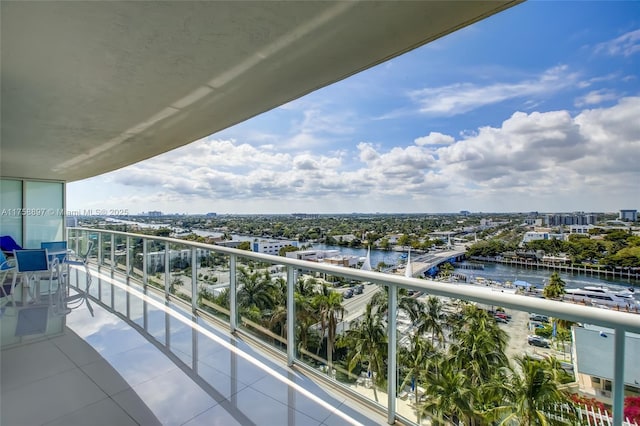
(255, 290)
(529, 396)
(431, 319)
(448, 395)
(175, 283)
(367, 343)
(414, 362)
(286, 249)
(555, 287)
(479, 345)
(245, 245)
(328, 305)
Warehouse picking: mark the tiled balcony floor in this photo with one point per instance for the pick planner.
(140, 368)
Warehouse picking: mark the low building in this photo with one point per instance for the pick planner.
(580, 229)
(593, 362)
(537, 235)
(271, 246)
(347, 261)
(312, 255)
(156, 259)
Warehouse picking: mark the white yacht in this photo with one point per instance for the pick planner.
(598, 295)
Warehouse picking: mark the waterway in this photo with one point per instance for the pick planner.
(492, 271)
(538, 277)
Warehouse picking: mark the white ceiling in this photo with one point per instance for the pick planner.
(89, 87)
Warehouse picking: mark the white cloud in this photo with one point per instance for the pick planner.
(531, 158)
(596, 97)
(543, 152)
(460, 98)
(434, 138)
(625, 45)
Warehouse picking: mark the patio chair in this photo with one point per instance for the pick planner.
(33, 265)
(8, 244)
(74, 301)
(56, 248)
(6, 266)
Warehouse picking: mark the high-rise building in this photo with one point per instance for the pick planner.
(629, 215)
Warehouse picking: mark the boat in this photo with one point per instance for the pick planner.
(603, 296)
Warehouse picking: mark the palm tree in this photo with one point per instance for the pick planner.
(479, 346)
(367, 342)
(306, 287)
(449, 396)
(380, 301)
(278, 321)
(305, 319)
(555, 288)
(255, 290)
(328, 305)
(530, 396)
(414, 363)
(431, 319)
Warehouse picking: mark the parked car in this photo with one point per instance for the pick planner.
(348, 294)
(538, 341)
(538, 317)
(501, 320)
(537, 324)
(501, 315)
(358, 289)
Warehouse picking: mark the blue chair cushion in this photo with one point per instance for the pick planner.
(8, 244)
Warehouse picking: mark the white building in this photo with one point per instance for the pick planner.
(580, 229)
(156, 259)
(537, 235)
(271, 246)
(312, 255)
(348, 261)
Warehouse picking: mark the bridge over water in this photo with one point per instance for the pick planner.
(423, 263)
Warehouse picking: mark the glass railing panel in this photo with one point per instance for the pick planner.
(120, 253)
(262, 300)
(135, 258)
(155, 261)
(93, 253)
(180, 268)
(103, 248)
(212, 274)
(352, 333)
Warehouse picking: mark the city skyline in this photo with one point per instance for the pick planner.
(534, 109)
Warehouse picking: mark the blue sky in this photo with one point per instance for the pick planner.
(533, 109)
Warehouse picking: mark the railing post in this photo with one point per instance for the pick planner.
(167, 273)
(145, 275)
(100, 258)
(113, 254)
(233, 309)
(291, 316)
(618, 376)
(392, 332)
(127, 259)
(194, 279)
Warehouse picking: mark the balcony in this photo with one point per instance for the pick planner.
(169, 345)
